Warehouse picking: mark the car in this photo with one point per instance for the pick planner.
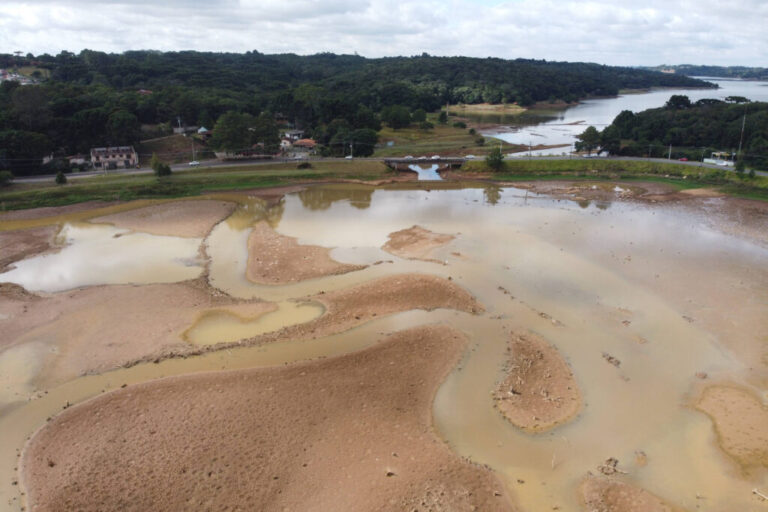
(470, 157)
(682, 159)
(348, 157)
(435, 157)
(408, 157)
(194, 163)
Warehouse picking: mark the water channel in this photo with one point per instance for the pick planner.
(611, 276)
(561, 127)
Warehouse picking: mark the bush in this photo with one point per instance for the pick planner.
(459, 124)
(426, 125)
(304, 165)
(160, 168)
(480, 141)
(6, 177)
(495, 160)
(60, 178)
(472, 131)
(442, 118)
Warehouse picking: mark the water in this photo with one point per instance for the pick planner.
(562, 129)
(689, 292)
(429, 174)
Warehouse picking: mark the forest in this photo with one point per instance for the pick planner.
(693, 129)
(735, 72)
(97, 99)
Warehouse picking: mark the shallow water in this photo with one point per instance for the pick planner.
(428, 174)
(611, 276)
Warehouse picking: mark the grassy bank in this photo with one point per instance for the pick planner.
(684, 176)
(181, 184)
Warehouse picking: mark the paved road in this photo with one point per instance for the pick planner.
(224, 164)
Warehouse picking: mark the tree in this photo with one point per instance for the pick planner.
(588, 140)
(6, 177)
(396, 116)
(123, 128)
(364, 141)
(678, 102)
(61, 179)
(419, 115)
(495, 160)
(231, 132)
(161, 169)
(443, 117)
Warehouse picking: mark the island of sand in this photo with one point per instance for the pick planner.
(277, 259)
(610, 495)
(415, 243)
(539, 390)
(352, 432)
(740, 421)
(189, 219)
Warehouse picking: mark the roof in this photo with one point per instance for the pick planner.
(310, 143)
(112, 150)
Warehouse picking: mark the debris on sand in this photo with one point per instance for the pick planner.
(614, 361)
(416, 243)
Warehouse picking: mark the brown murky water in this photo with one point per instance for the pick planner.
(661, 288)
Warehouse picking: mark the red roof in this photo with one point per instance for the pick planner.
(309, 143)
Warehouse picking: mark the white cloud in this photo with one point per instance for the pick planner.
(610, 32)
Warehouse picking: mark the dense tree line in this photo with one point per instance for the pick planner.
(742, 72)
(693, 129)
(96, 99)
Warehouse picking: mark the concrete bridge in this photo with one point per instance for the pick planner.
(443, 163)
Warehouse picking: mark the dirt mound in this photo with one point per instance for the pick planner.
(348, 433)
(610, 495)
(415, 243)
(741, 423)
(22, 243)
(277, 259)
(192, 219)
(539, 391)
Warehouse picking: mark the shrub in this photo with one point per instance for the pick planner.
(304, 165)
(60, 178)
(459, 124)
(160, 168)
(480, 141)
(472, 131)
(6, 177)
(495, 159)
(426, 125)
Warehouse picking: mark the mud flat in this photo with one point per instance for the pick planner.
(539, 391)
(98, 328)
(740, 421)
(348, 433)
(277, 259)
(192, 219)
(610, 495)
(19, 244)
(415, 243)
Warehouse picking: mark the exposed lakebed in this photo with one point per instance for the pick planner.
(647, 304)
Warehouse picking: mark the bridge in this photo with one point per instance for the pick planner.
(402, 164)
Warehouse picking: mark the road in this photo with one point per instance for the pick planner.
(223, 164)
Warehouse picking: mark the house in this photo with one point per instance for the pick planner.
(114, 157)
(305, 145)
(285, 145)
(144, 92)
(294, 135)
(77, 159)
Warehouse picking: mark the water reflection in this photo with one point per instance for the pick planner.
(321, 198)
(492, 194)
(255, 209)
(426, 174)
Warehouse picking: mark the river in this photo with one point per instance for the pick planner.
(560, 128)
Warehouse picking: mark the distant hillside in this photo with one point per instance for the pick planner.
(715, 71)
(97, 99)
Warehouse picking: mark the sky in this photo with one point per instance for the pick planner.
(615, 32)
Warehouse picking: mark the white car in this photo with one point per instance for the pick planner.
(435, 157)
(194, 163)
(408, 157)
(470, 157)
(348, 157)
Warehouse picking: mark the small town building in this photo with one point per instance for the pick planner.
(285, 144)
(304, 145)
(115, 157)
(293, 135)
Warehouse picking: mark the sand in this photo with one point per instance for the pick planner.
(22, 243)
(415, 243)
(539, 391)
(740, 421)
(347, 433)
(53, 211)
(192, 219)
(99, 328)
(277, 259)
(609, 495)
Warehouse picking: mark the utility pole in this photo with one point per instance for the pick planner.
(529, 149)
(352, 149)
(743, 122)
(669, 156)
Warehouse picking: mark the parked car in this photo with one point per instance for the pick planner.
(470, 157)
(194, 163)
(683, 159)
(435, 157)
(348, 157)
(408, 157)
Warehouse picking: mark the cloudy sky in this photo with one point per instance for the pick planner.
(607, 31)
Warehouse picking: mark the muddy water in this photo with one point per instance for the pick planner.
(614, 277)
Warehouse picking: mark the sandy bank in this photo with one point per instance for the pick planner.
(22, 243)
(610, 495)
(97, 328)
(415, 243)
(53, 211)
(539, 391)
(348, 433)
(740, 421)
(192, 219)
(277, 259)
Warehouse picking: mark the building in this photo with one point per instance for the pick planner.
(116, 157)
(305, 145)
(294, 135)
(285, 145)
